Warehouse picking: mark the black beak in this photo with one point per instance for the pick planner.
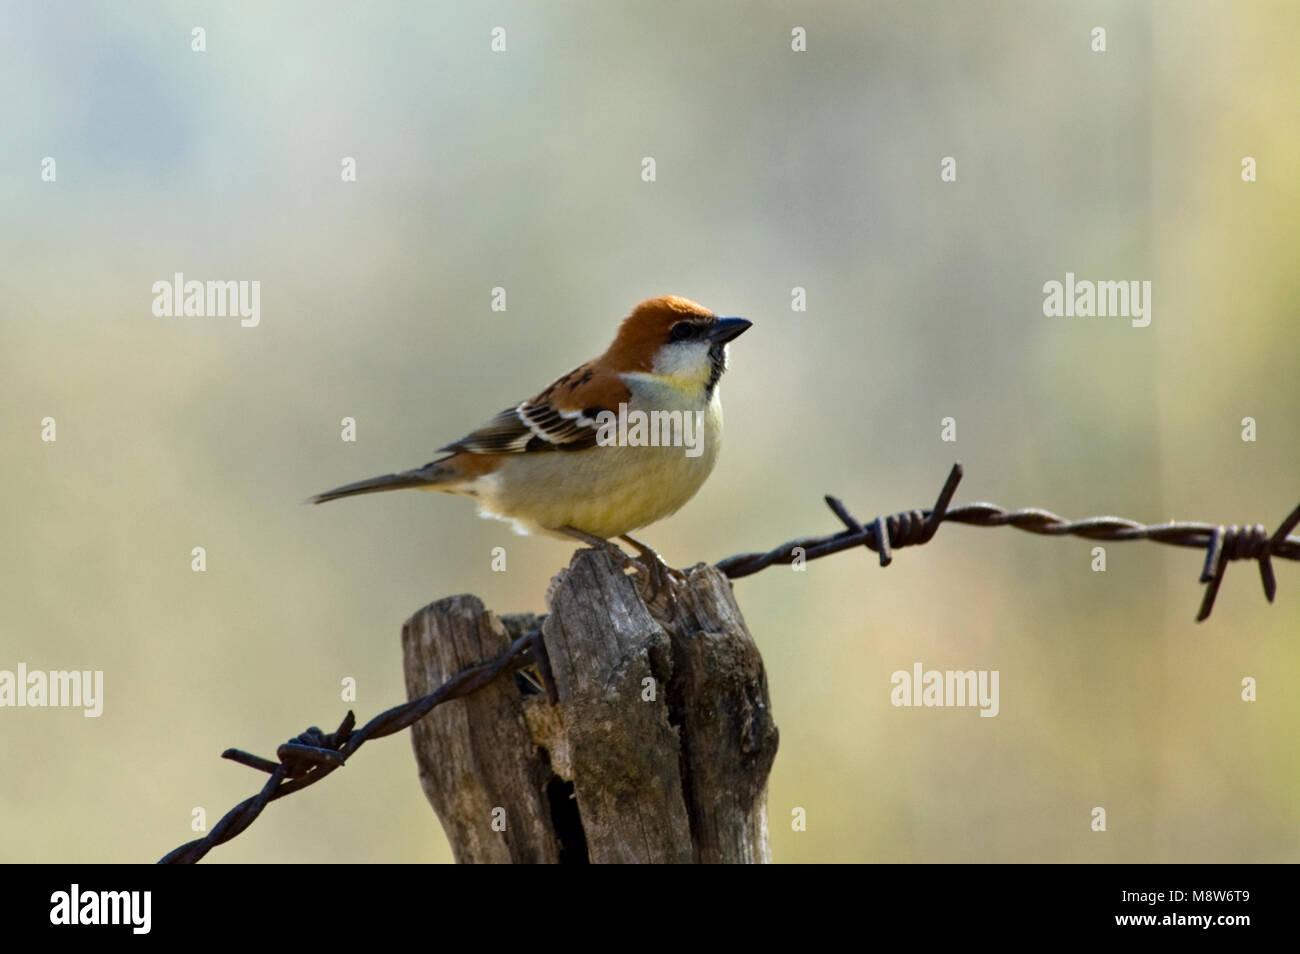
(727, 328)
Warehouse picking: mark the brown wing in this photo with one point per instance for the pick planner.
(562, 417)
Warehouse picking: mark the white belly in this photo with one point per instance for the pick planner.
(604, 490)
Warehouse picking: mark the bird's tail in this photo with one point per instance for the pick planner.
(426, 476)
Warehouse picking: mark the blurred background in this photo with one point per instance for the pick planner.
(775, 169)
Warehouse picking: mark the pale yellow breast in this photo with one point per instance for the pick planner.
(604, 491)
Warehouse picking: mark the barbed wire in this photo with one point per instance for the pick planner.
(309, 757)
(914, 527)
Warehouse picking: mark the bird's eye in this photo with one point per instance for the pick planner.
(683, 330)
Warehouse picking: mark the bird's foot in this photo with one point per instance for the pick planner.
(656, 575)
(660, 576)
(608, 546)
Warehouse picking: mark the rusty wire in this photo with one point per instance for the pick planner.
(309, 757)
(914, 527)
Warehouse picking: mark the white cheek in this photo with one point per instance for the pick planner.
(684, 358)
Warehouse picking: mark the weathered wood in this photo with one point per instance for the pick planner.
(480, 751)
(658, 751)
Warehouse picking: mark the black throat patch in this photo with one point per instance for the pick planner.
(717, 364)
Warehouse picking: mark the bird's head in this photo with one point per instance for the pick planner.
(675, 338)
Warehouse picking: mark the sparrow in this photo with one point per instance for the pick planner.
(555, 464)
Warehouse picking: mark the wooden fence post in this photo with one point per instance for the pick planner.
(658, 751)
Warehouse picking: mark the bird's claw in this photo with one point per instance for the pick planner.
(657, 576)
(660, 577)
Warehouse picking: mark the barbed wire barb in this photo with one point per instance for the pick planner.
(914, 527)
(309, 757)
(312, 755)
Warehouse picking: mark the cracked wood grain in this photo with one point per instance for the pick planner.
(658, 751)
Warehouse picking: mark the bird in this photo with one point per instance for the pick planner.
(556, 464)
